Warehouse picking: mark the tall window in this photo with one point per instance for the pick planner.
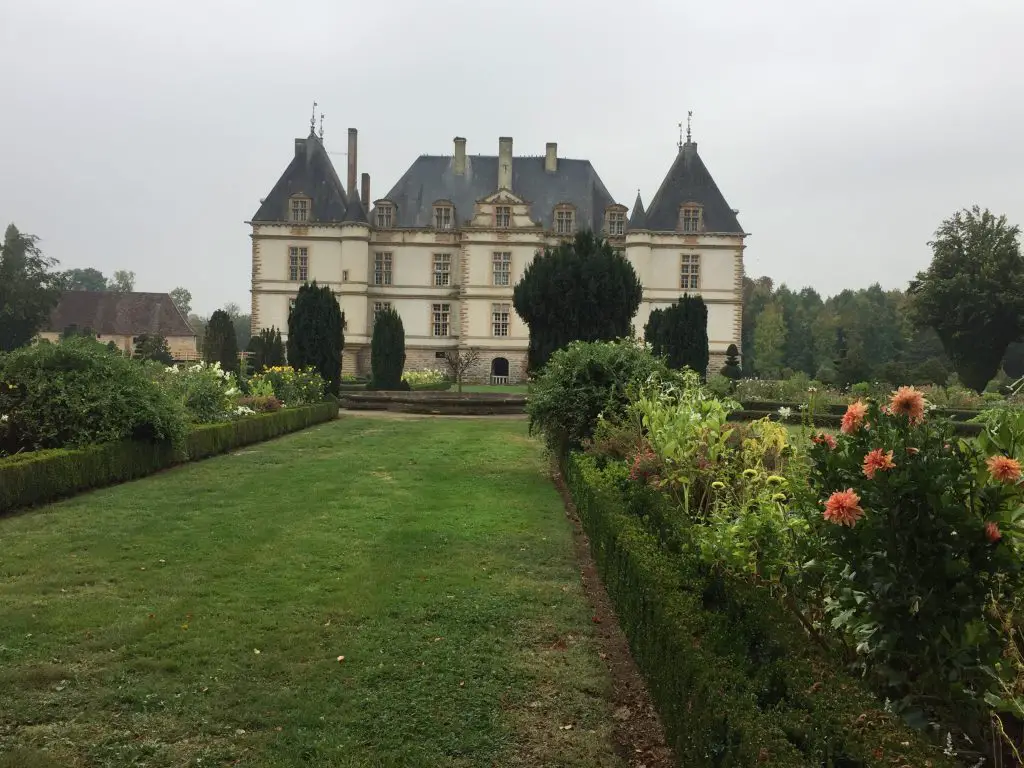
(690, 218)
(442, 269)
(380, 306)
(565, 221)
(384, 215)
(499, 319)
(443, 217)
(503, 216)
(442, 314)
(616, 222)
(501, 265)
(298, 264)
(300, 209)
(689, 278)
(382, 269)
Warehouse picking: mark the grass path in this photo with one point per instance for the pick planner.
(196, 617)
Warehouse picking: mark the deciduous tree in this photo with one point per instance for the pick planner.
(123, 281)
(770, 341)
(459, 362)
(972, 294)
(28, 289)
(316, 333)
(182, 299)
(580, 290)
(87, 279)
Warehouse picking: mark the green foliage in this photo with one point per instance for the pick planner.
(219, 343)
(769, 341)
(73, 330)
(387, 350)
(205, 391)
(316, 334)
(267, 349)
(581, 290)
(1013, 362)
(87, 279)
(582, 381)
(288, 385)
(123, 281)
(182, 298)
(972, 294)
(735, 680)
(28, 290)
(42, 476)
(914, 577)
(76, 393)
(679, 333)
(153, 346)
(732, 369)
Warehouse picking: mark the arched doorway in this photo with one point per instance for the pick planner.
(499, 370)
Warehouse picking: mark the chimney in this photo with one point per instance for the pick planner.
(352, 134)
(459, 166)
(365, 193)
(505, 162)
(551, 157)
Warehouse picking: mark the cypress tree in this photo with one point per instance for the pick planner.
(387, 350)
(679, 333)
(219, 343)
(581, 290)
(267, 349)
(316, 328)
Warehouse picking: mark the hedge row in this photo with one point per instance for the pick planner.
(833, 421)
(735, 679)
(39, 477)
(956, 414)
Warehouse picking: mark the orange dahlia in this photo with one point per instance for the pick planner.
(1004, 469)
(877, 460)
(854, 417)
(843, 508)
(824, 438)
(909, 402)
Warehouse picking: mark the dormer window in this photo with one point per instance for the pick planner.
(299, 209)
(385, 215)
(615, 221)
(690, 219)
(444, 216)
(503, 216)
(565, 220)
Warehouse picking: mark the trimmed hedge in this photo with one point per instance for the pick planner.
(39, 477)
(833, 421)
(735, 679)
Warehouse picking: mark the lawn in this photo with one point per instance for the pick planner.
(510, 389)
(200, 616)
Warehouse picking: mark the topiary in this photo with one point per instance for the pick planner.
(731, 369)
(387, 350)
(76, 393)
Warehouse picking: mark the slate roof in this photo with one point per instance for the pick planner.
(432, 177)
(310, 173)
(119, 314)
(688, 181)
(638, 219)
(355, 212)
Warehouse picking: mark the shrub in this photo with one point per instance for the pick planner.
(387, 350)
(205, 390)
(917, 534)
(220, 344)
(153, 346)
(76, 393)
(680, 334)
(260, 403)
(288, 385)
(582, 381)
(316, 334)
(424, 377)
(732, 369)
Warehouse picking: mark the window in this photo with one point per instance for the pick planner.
(690, 219)
(689, 278)
(384, 215)
(380, 306)
(499, 319)
(441, 316)
(442, 269)
(501, 264)
(443, 217)
(440, 356)
(503, 216)
(344, 275)
(565, 221)
(300, 209)
(382, 269)
(616, 222)
(298, 264)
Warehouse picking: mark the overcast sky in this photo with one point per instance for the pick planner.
(142, 135)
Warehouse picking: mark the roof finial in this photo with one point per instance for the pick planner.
(680, 144)
(689, 119)
(312, 120)
(321, 126)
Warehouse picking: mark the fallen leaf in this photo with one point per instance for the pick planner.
(462, 684)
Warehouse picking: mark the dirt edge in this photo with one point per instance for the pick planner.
(639, 734)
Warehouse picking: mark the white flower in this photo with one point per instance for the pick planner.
(244, 410)
(3, 418)
(171, 369)
(785, 413)
(232, 391)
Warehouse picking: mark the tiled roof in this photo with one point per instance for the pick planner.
(310, 173)
(119, 314)
(688, 181)
(638, 218)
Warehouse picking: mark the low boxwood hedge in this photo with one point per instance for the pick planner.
(735, 679)
(39, 477)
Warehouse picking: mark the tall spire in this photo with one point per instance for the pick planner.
(321, 126)
(638, 217)
(312, 121)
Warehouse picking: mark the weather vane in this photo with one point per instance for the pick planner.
(680, 144)
(312, 120)
(689, 119)
(321, 126)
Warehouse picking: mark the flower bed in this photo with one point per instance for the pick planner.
(39, 477)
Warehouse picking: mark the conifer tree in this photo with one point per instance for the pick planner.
(316, 334)
(267, 349)
(387, 350)
(219, 343)
(679, 333)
